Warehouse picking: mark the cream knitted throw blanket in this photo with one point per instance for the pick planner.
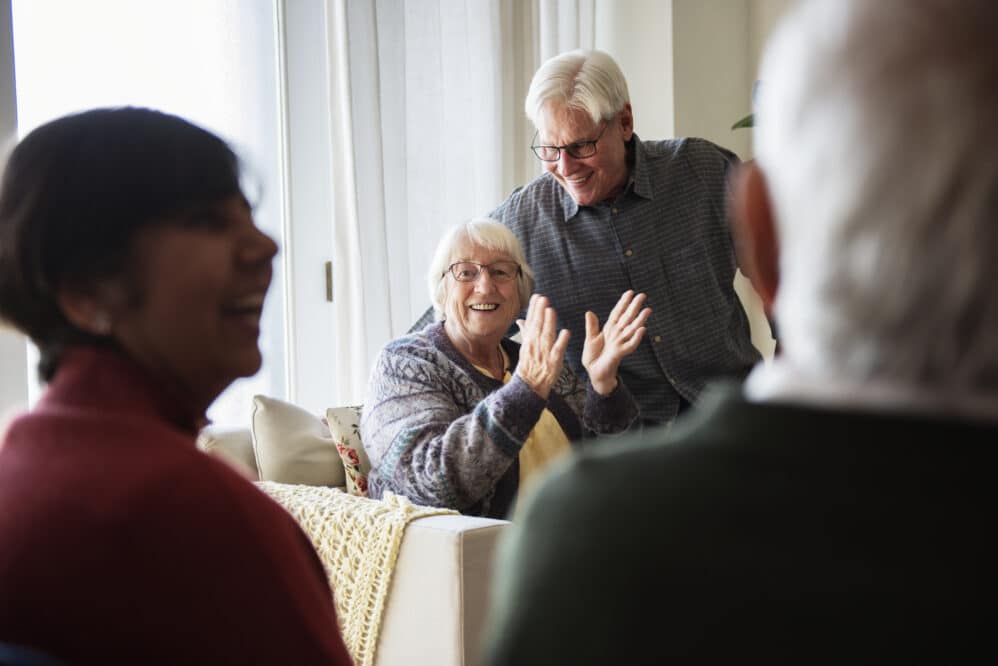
(358, 541)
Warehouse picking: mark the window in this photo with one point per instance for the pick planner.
(214, 62)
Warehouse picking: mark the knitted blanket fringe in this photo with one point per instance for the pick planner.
(358, 540)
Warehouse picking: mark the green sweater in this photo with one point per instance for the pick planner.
(758, 533)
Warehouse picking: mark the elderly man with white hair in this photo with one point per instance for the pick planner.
(613, 212)
(836, 507)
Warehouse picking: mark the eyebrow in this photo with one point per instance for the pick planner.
(563, 145)
(484, 263)
(570, 143)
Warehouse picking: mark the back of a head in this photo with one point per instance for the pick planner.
(73, 194)
(874, 126)
(587, 80)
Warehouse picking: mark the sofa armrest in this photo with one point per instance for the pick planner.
(439, 593)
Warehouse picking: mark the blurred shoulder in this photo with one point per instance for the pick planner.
(653, 467)
(599, 481)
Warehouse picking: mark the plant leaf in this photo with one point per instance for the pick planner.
(747, 121)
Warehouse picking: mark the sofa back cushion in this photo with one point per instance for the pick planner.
(293, 446)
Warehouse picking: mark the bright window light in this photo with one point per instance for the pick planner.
(213, 62)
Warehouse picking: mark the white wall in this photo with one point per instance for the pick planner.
(711, 70)
(639, 36)
(763, 16)
(716, 49)
(718, 44)
(13, 349)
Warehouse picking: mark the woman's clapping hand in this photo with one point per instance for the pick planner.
(621, 334)
(542, 351)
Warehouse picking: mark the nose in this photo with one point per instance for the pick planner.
(257, 247)
(566, 162)
(484, 282)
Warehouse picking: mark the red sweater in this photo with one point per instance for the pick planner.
(120, 542)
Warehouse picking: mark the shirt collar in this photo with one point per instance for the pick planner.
(640, 180)
(779, 380)
(569, 205)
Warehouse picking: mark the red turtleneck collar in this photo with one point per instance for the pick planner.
(108, 380)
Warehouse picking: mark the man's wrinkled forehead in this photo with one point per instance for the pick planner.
(559, 125)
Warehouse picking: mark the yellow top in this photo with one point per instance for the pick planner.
(545, 443)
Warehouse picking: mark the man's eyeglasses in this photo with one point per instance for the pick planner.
(499, 271)
(579, 150)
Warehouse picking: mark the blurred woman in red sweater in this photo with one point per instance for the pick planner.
(129, 256)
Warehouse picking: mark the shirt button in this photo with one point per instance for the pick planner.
(614, 210)
(657, 338)
(628, 252)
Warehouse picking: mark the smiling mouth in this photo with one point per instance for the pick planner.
(250, 306)
(484, 307)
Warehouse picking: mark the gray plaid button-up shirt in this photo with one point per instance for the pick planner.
(666, 235)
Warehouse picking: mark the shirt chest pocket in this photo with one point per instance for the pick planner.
(693, 295)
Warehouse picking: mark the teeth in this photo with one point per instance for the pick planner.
(247, 302)
(484, 306)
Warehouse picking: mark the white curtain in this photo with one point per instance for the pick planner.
(427, 92)
(352, 213)
(565, 25)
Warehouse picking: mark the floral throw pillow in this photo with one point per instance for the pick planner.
(344, 426)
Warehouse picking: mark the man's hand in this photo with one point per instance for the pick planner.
(604, 350)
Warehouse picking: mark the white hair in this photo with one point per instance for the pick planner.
(589, 81)
(876, 127)
(478, 232)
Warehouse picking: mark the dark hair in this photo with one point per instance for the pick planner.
(74, 193)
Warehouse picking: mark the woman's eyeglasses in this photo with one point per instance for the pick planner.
(468, 271)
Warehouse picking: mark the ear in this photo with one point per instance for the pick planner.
(89, 308)
(626, 121)
(754, 229)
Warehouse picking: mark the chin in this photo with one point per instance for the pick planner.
(584, 198)
(249, 365)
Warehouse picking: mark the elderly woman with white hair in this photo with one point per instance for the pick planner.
(459, 416)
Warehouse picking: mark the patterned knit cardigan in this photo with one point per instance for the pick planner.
(441, 433)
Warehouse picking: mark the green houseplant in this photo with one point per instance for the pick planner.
(749, 120)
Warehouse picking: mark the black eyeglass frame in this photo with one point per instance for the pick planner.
(481, 267)
(572, 149)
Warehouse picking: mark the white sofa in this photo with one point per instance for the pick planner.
(439, 589)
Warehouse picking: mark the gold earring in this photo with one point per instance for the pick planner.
(101, 323)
